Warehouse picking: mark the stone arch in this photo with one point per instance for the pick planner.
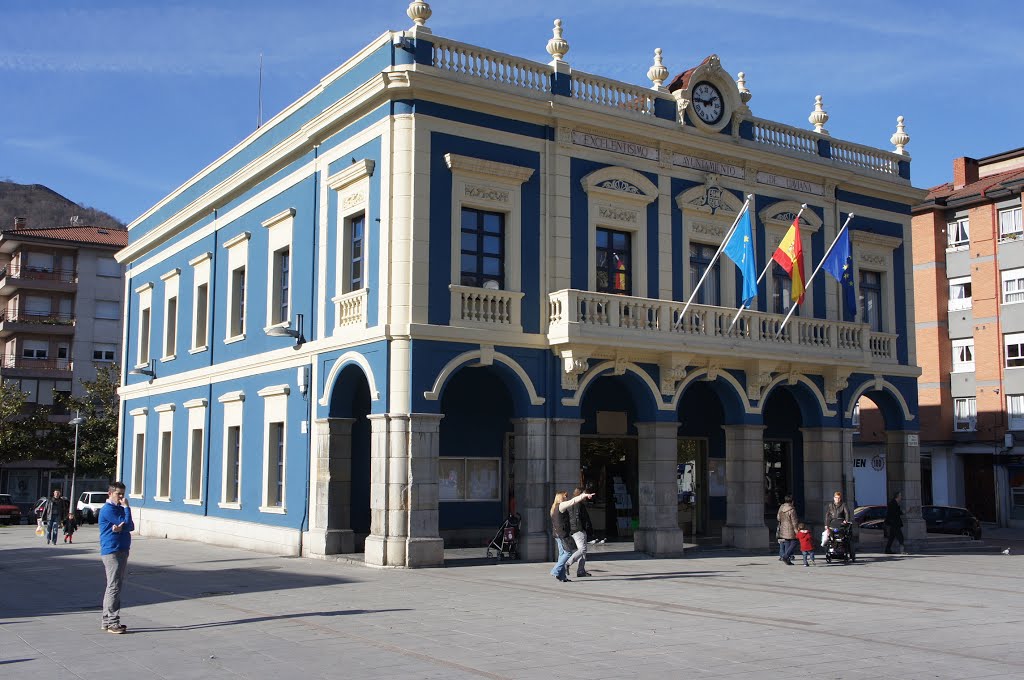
(523, 385)
(887, 398)
(733, 400)
(336, 368)
(813, 407)
(641, 377)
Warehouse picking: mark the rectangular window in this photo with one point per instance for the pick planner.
(959, 293)
(107, 309)
(275, 465)
(232, 464)
(138, 455)
(35, 349)
(171, 328)
(108, 266)
(963, 356)
(195, 464)
(144, 337)
(700, 258)
(1013, 285)
(468, 479)
(355, 251)
(1010, 227)
(282, 280)
(1015, 410)
(202, 313)
(958, 233)
(482, 249)
(965, 414)
(782, 289)
(104, 352)
(614, 259)
(1014, 343)
(237, 307)
(164, 470)
(871, 299)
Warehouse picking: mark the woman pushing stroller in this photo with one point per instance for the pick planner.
(839, 543)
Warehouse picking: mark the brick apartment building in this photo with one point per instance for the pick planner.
(968, 250)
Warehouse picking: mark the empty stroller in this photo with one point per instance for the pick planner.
(506, 542)
(839, 545)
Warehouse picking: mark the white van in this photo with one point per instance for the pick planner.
(89, 504)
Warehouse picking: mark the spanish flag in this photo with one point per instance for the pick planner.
(790, 256)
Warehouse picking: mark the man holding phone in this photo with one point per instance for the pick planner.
(115, 520)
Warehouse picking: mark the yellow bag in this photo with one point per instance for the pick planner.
(39, 530)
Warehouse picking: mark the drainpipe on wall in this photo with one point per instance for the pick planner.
(211, 303)
(312, 325)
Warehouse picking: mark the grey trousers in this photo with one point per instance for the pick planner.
(116, 565)
(580, 538)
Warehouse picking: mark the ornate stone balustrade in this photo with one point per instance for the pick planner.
(784, 137)
(493, 67)
(611, 93)
(486, 308)
(859, 156)
(577, 316)
(350, 309)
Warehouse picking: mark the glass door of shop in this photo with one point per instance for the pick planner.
(608, 467)
(692, 487)
(778, 476)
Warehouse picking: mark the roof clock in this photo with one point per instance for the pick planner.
(707, 102)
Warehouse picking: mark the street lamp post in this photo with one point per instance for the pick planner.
(76, 421)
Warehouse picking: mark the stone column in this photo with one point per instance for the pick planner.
(532, 501)
(823, 471)
(330, 523)
(565, 465)
(744, 481)
(659, 533)
(903, 474)
(403, 491)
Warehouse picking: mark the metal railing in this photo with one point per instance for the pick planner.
(34, 364)
(48, 318)
(18, 271)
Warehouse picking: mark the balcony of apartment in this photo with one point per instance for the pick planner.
(15, 366)
(48, 323)
(606, 325)
(15, 277)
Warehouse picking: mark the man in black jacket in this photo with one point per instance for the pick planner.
(894, 523)
(580, 527)
(54, 512)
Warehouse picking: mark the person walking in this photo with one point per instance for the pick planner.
(70, 524)
(786, 533)
(579, 528)
(54, 512)
(561, 532)
(894, 523)
(803, 534)
(115, 520)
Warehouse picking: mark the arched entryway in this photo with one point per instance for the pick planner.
(700, 473)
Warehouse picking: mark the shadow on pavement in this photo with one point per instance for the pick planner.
(263, 619)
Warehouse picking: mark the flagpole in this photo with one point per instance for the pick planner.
(711, 266)
(816, 269)
(796, 221)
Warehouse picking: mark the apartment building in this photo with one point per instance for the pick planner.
(969, 285)
(447, 282)
(61, 298)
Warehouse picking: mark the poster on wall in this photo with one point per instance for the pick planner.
(869, 479)
(716, 476)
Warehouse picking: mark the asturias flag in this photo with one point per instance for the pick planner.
(790, 257)
(839, 263)
(740, 250)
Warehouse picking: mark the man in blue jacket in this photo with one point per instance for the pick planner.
(115, 520)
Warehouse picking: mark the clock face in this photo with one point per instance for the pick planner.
(707, 103)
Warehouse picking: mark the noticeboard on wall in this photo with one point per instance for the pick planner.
(468, 479)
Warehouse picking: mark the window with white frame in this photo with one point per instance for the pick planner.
(871, 296)
(238, 258)
(194, 462)
(231, 460)
(104, 352)
(275, 412)
(1015, 411)
(350, 191)
(163, 465)
(965, 414)
(1013, 285)
(1010, 227)
(171, 287)
(963, 355)
(279, 264)
(35, 349)
(200, 301)
(958, 232)
(960, 293)
(1014, 343)
(145, 293)
(138, 451)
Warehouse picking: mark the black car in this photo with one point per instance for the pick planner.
(867, 513)
(946, 519)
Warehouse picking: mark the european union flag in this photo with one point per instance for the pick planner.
(839, 264)
(740, 250)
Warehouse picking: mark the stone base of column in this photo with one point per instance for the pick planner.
(425, 552)
(914, 529)
(747, 538)
(659, 542)
(382, 551)
(331, 541)
(535, 547)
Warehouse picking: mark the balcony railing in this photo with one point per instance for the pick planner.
(34, 364)
(47, 318)
(350, 309)
(486, 308)
(18, 271)
(590, 317)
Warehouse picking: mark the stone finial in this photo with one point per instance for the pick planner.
(900, 138)
(557, 47)
(741, 85)
(419, 12)
(818, 117)
(657, 73)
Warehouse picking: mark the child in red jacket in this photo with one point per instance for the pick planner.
(803, 534)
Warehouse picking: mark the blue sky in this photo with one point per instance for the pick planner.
(116, 103)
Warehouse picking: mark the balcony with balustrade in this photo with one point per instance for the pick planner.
(16, 321)
(16, 366)
(15, 277)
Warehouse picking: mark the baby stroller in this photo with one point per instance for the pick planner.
(506, 542)
(839, 545)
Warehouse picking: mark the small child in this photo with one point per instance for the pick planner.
(806, 543)
(69, 525)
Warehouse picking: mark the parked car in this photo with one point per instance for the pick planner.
(89, 504)
(947, 519)
(867, 513)
(9, 512)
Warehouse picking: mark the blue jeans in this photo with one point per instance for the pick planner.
(51, 530)
(563, 557)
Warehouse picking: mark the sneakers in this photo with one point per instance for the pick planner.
(116, 629)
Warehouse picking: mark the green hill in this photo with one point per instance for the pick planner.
(43, 208)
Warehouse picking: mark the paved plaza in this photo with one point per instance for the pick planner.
(196, 611)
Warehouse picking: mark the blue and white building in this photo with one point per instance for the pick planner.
(448, 281)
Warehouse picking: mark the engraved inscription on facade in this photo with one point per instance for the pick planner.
(352, 199)
(616, 145)
(708, 229)
(487, 193)
(705, 165)
(611, 213)
(871, 258)
(790, 183)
